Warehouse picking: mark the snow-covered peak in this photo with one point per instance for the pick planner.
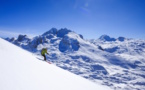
(22, 38)
(59, 33)
(106, 38)
(51, 31)
(62, 32)
(121, 39)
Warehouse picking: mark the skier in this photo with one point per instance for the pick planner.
(43, 51)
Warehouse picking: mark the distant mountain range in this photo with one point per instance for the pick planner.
(116, 62)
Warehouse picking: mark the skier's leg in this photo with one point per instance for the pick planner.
(44, 57)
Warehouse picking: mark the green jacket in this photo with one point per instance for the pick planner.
(43, 51)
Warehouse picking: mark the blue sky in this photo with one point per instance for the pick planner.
(91, 18)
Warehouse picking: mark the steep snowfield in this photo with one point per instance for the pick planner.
(20, 70)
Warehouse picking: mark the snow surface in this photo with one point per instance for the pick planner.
(21, 70)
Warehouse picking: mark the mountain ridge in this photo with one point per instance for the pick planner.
(116, 62)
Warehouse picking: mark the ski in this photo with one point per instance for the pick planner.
(44, 60)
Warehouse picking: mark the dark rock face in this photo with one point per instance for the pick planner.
(112, 50)
(107, 38)
(63, 32)
(99, 69)
(22, 38)
(68, 44)
(81, 36)
(51, 31)
(121, 39)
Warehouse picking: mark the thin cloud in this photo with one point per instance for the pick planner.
(83, 5)
(13, 34)
(8, 34)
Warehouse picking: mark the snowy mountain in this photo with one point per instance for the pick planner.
(21, 70)
(117, 63)
(129, 49)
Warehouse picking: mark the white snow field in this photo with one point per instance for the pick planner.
(21, 70)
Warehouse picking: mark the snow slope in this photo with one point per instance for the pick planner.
(20, 70)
